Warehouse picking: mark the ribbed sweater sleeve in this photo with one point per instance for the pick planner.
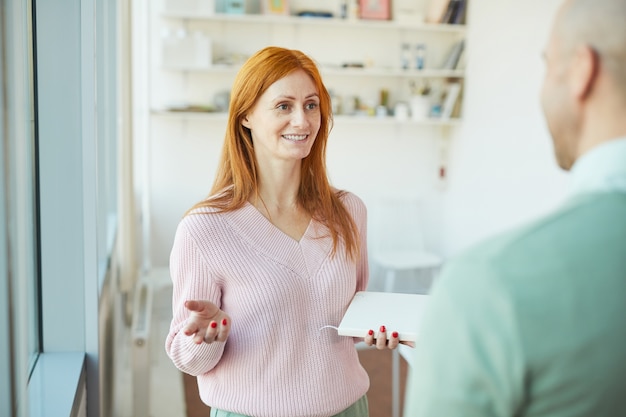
(278, 360)
(191, 281)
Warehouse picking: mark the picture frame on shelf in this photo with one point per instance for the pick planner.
(375, 9)
(275, 7)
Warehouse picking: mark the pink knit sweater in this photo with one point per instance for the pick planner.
(279, 293)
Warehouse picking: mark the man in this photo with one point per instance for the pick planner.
(533, 322)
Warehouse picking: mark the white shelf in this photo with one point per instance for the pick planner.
(393, 72)
(321, 21)
(389, 120)
(338, 71)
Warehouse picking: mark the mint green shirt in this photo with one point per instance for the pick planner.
(533, 322)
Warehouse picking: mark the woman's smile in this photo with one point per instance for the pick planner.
(295, 138)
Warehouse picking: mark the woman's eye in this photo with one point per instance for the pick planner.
(312, 106)
(283, 106)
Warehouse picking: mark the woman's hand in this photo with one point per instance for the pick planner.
(380, 340)
(207, 322)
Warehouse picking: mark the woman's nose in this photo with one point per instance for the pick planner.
(298, 117)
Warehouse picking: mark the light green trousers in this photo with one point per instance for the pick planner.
(358, 409)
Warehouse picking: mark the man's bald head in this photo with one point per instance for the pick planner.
(601, 25)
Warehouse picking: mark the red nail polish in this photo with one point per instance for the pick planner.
(213, 324)
(224, 322)
(383, 329)
(394, 334)
(371, 332)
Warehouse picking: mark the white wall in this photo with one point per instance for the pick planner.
(501, 168)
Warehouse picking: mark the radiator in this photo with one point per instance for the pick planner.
(140, 350)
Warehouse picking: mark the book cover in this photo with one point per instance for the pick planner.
(437, 10)
(454, 55)
(453, 6)
(398, 312)
(458, 18)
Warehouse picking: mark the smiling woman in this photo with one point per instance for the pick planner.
(274, 253)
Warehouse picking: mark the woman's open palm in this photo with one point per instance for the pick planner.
(207, 323)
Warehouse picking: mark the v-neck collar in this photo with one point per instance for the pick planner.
(307, 254)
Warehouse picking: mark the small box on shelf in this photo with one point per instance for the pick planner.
(407, 12)
(238, 6)
(205, 7)
(181, 50)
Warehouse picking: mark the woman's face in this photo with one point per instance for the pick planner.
(285, 120)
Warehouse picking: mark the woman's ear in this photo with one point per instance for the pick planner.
(245, 122)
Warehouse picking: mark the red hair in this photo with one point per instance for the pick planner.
(237, 180)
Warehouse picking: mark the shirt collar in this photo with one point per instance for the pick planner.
(602, 169)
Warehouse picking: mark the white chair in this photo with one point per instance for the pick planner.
(397, 241)
(397, 245)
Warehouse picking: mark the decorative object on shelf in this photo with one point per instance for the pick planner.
(343, 9)
(191, 108)
(421, 89)
(221, 100)
(420, 100)
(401, 111)
(382, 109)
(315, 14)
(420, 107)
(420, 56)
(405, 56)
(353, 9)
(275, 7)
(375, 9)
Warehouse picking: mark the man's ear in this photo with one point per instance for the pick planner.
(584, 71)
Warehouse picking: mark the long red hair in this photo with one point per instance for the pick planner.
(237, 180)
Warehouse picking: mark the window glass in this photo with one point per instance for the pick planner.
(19, 261)
(21, 176)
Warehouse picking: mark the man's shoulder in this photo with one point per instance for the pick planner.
(593, 216)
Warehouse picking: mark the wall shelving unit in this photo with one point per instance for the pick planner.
(335, 43)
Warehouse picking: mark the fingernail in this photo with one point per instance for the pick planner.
(213, 324)
(371, 332)
(224, 322)
(383, 329)
(394, 334)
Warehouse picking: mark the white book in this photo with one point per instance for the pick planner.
(398, 312)
(454, 89)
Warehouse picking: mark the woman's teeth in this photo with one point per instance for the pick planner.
(295, 137)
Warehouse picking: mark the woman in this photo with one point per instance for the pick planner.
(272, 256)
